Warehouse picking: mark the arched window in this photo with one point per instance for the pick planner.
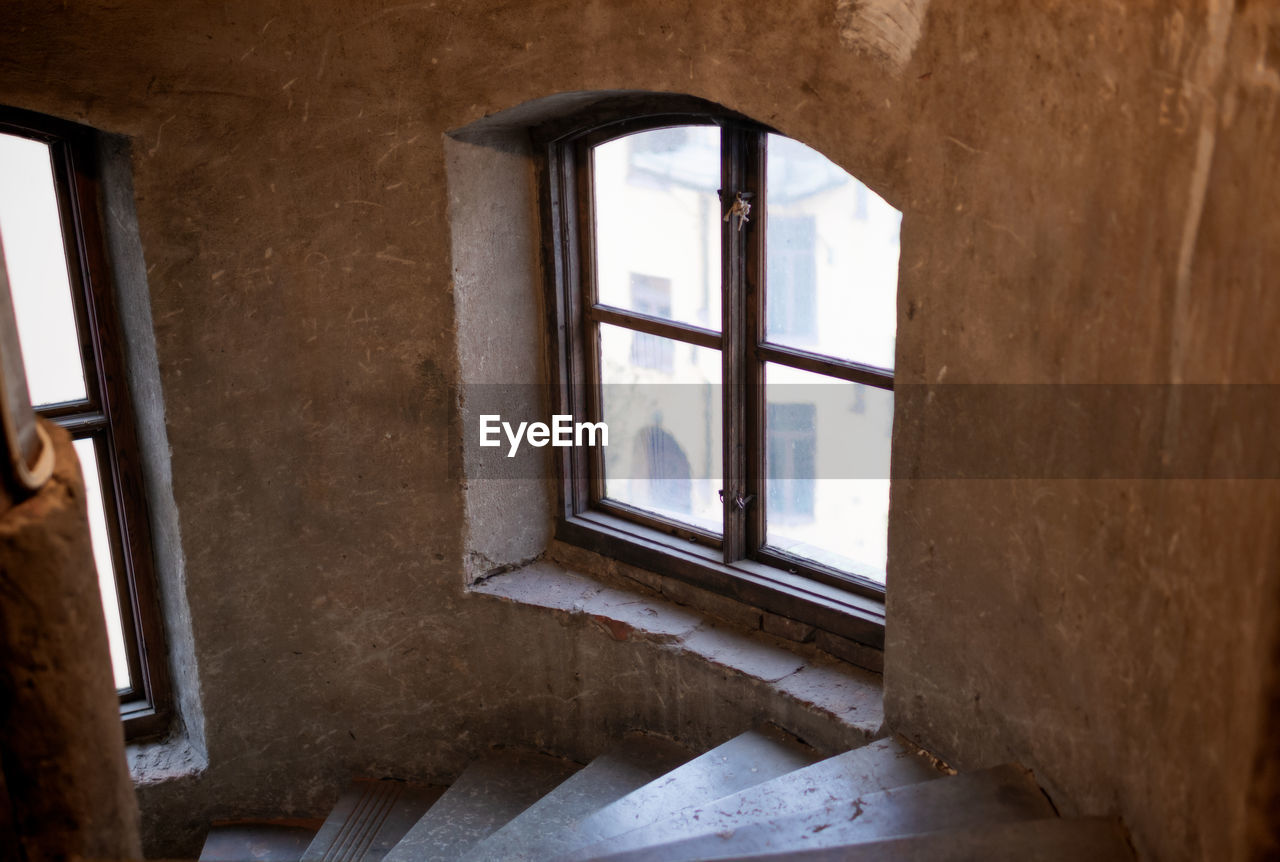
(735, 292)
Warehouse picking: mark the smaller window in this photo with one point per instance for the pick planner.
(55, 255)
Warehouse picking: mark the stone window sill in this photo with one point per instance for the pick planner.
(799, 674)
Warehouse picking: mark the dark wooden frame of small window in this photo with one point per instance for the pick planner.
(737, 564)
(105, 416)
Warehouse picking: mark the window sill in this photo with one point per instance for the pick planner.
(167, 760)
(828, 608)
(837, 692)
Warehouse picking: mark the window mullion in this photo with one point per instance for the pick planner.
(80, 424)
(582, 189)
(853, 372)
(755, 155)
(737, 197)
(670, 329)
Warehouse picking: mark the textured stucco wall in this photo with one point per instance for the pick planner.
(1103, 210)
(1090, 196)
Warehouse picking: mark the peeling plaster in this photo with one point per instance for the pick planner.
(887, 28)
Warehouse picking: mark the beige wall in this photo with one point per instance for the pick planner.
(1090, 196)
(1100, 207)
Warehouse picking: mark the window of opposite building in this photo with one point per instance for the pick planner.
(60, 284)
(726, 302)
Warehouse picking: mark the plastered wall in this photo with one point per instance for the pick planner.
(1102, 210)
(1090, 196)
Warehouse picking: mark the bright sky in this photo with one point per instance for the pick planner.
(37, 267)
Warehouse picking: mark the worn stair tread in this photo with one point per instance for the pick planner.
(747, 760)
(369, 819)
(549, 826)
(1086, 839)
(266, 841)
(988, 797)
(877, 766)
(489, 793)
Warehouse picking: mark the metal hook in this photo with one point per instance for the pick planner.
(739, 500)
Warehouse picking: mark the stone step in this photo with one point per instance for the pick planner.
(549, 826)
(992, 796)
(489, 793)
(258, 841)
(747, 760)
(370, 818)
(878, 766)
(1087, 839)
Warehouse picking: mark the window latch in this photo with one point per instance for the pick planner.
(741, 206)
(740, 501)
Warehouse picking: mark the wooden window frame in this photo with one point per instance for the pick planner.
(737, 564)
(106, 415)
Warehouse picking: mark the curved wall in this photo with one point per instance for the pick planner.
(1086, 200)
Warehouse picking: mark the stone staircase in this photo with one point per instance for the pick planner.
(761, 795)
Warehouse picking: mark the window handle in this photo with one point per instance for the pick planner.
(740, 501)
(740, 208)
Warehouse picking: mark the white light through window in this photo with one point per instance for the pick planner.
(34, 255)
(37, 264)
(102, 557)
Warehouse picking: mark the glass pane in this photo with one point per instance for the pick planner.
(658, 223)
(832, 251)
(827, 469)
(37, 264)
(661, 401)
(102, 557)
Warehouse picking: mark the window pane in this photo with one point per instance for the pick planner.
(663, 415)
(832, 252)
(827, 469)
(102, 557)
(37, 264)
(658, 223)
